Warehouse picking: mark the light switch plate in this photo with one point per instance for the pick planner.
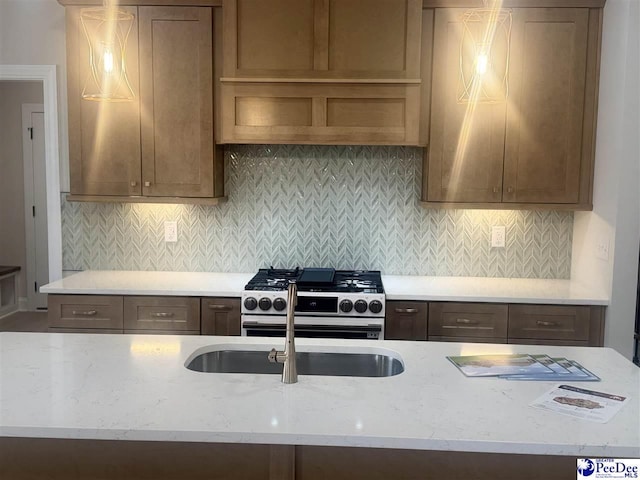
(170, 231)
(498, 236)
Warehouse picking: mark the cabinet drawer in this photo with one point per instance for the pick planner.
(406, 321)
(85, 311)
(472, 320)
(220, 316)
(549, 322)
(162, 313)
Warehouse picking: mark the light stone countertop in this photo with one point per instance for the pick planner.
(397, 287)
(135, 387)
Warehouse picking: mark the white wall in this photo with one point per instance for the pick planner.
(32, 32)
(615, 219)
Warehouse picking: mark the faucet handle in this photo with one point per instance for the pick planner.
(273, 355)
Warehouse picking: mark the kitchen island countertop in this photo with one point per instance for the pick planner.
(397, 287)
(135, 387)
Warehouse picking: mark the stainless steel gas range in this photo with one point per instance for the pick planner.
(331, 303)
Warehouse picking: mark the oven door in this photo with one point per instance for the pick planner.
(313, 327)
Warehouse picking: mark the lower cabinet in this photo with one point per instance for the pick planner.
(406, 321)
(495, 323)
(220, 316)
(144, 315)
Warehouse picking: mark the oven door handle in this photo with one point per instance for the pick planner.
(323, 328)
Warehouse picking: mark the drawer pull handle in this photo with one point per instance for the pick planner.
(213, 306)
(162, 314)
(88, 313)
(406, 310)
(466, 321)
(544, 323)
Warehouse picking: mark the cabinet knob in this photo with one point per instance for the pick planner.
(134, 183)
(510, 190)
(147, 184)
(496, 189)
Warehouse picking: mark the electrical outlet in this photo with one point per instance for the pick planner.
(602, 249)
(498, 236)
(170, 231)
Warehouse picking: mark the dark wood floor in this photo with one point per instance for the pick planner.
(24, 322)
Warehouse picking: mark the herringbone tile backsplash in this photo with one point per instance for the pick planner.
(342, 207)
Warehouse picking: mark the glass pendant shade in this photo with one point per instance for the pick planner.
(106, 30)
(484, 56)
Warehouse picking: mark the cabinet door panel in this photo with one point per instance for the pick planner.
(406, 320)
(549, 322)
(543, 150)
(376, 37)
(465, 156)
(176, 90)
(162, 313)
(104, 137)
(220, 316)
(467, 320)
(85, 312)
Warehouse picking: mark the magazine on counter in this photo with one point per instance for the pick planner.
(581, 403)
(497, 365)
(561, 370)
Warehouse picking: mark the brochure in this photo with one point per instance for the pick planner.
(577, 402)
(496, 365)
(562, 370)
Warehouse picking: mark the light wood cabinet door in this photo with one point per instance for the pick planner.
(534, 150)
(176, 95)
(468, 320)
(220, 316)
(280, 39)
(104, 137)
(465, 156)
(406, 320)
(169, 314)
(544, 136)
(79, 312)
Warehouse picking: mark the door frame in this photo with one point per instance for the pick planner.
(29, 201)
(47, 75)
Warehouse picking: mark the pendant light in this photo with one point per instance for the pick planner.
(106, 30)
(484, 54)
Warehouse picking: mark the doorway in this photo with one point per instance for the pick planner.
(46, 74)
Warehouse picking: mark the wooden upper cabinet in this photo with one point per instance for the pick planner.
(322, 38)
(535, 149)
(176, 96)
(104, 137)
(159, 146)
(543, 146)
(465, 155)
(323, 72)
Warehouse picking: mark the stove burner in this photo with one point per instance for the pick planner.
(345, 281)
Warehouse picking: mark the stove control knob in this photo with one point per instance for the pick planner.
(279, 304)
(375, 306)
(250, 303)
(264, 303)
(360, 306)
(346, 306)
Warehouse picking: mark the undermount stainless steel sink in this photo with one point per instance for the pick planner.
(309, 363)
